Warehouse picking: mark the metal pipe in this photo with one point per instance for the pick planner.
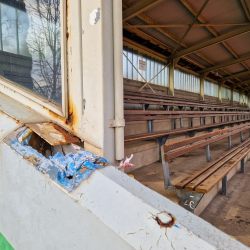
(118, 77)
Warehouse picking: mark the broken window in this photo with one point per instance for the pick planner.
(30, 46)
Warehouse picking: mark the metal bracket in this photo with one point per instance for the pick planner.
(145, 106)
(222, 126)
(161, 141)
(117, 123)
(229, 142)
(210, 130)
(241, 137)
(193, 133)
(166, 174)
(151, 126)
(242, 165)
(181, 123)
(224, 186)
(166, 107)
(208, 153)
(188, 199)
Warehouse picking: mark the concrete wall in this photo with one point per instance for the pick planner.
(108, 211)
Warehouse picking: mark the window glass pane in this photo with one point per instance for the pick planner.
(31, 49)
(9, 34)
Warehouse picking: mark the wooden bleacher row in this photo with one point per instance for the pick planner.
(146, 99)
(192, 189)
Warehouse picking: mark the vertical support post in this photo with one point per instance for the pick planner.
(241, 95)
(174, 123)
(201, 121)
(151, 126)
(241, 137)
(224, 186)
(171, 76)
(242, 166)
(230, 142)
(202, 86)
(204, 120)
(165, 166)
(220, 91)
(208, 153)
(192, 123)
(181, 123)
(232, 96)
(214, 119)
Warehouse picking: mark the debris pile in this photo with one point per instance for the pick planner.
(68, 170)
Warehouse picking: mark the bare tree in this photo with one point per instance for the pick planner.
(44, 45)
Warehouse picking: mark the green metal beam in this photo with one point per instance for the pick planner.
(238, 60)
(242, 83)
(244, 5)
(235, 75)
(212, 41)
(138, 8)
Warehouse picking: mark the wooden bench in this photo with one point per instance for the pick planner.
(146, 99)
(192, 189)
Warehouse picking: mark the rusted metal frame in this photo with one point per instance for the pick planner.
(189, 28)
(171, 155)
(147, 136)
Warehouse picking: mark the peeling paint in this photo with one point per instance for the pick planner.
(68, 170)
(95, 16)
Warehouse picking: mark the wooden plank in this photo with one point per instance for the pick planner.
(209, 183)
(185, 142)
(148, 136)
(171, 155)
(197, 173)
(196, 182)
(161, 112)
(168, 97)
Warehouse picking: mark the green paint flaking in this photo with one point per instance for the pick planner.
(4, 244)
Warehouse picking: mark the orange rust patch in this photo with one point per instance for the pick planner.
(68, 138)
(32, 159)
(167, 224)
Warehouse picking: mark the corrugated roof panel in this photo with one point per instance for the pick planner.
(218, 53)
(235, 68)
(240, 44)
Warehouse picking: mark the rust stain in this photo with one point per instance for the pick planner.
(68, 137)
(52, 133)
(167, 224)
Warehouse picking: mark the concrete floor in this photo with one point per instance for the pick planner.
(230, 213)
